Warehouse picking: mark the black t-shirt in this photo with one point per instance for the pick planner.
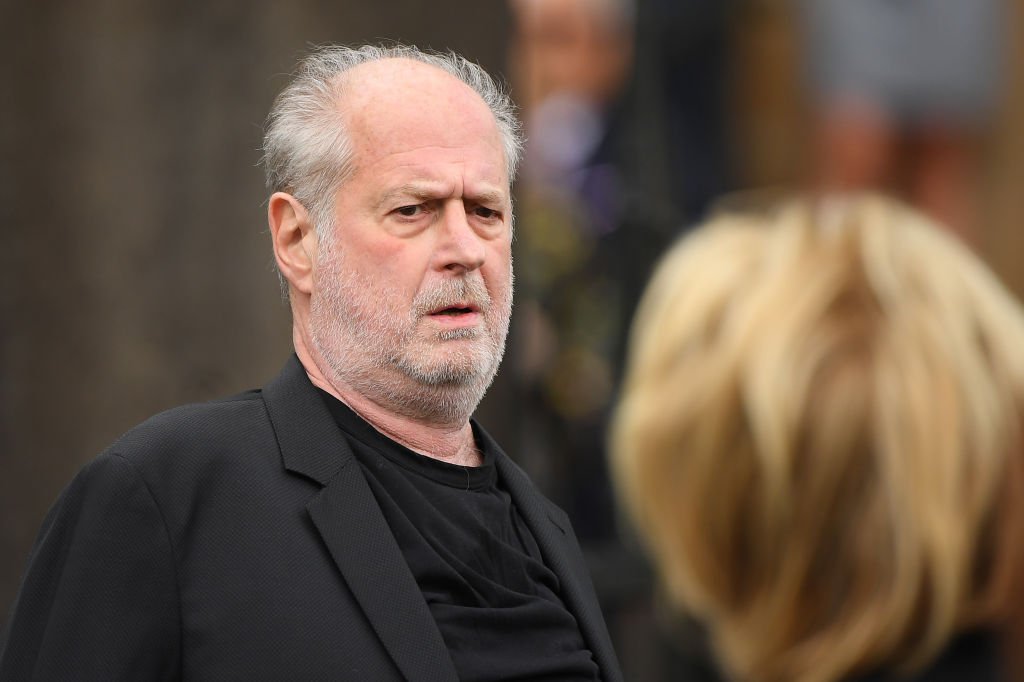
(480, 570)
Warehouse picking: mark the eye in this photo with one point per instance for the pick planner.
(409, 211)
(486, 213)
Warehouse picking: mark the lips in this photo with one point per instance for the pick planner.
(456, 309)
(451, 300)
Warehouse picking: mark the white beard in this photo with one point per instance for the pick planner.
(382, 353)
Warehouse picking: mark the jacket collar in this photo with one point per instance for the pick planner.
(365, 551)
(351, 525)
(557, 541)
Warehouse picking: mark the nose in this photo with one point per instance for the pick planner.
(460, 249)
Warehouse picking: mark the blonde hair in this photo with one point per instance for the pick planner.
(818, 437)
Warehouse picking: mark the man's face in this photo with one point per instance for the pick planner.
(413, 283)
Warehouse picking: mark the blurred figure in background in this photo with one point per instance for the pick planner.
(624, 148)
(571, 58)
(819, 437)
(623, 103)
(903, 93)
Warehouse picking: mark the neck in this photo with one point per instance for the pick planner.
(448, 442)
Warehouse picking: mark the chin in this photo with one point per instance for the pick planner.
(450, 375)
(453, 367)
(441, 402)
(453, 388)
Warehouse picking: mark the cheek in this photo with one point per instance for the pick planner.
(393, 271)
(498, 272)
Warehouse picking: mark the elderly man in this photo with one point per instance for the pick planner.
(348, 521)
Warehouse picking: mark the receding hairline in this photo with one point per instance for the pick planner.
(354, 106)
(397, 60)
(345, 83)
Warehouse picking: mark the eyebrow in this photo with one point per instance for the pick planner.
(422, 191)
(489, 196)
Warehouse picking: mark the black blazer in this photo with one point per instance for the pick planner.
(239, 540)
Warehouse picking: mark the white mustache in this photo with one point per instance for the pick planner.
(452, 292)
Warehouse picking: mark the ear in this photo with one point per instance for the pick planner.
(294, 240)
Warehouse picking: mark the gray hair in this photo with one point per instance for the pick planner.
(306, 148)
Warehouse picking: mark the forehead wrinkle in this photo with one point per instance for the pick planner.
(377, 146)
(418, 190)
(425, 190)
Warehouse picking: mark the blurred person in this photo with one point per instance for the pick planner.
(570, 61)
(572, 49)
(902, 94)
(623, 106)
(349, 520)
(819, 439)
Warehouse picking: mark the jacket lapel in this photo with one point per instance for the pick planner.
(553, 532)
(353, 528)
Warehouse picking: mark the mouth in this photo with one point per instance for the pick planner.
(456, 310)
(457, 316)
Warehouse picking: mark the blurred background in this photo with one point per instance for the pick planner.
(137, 271)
